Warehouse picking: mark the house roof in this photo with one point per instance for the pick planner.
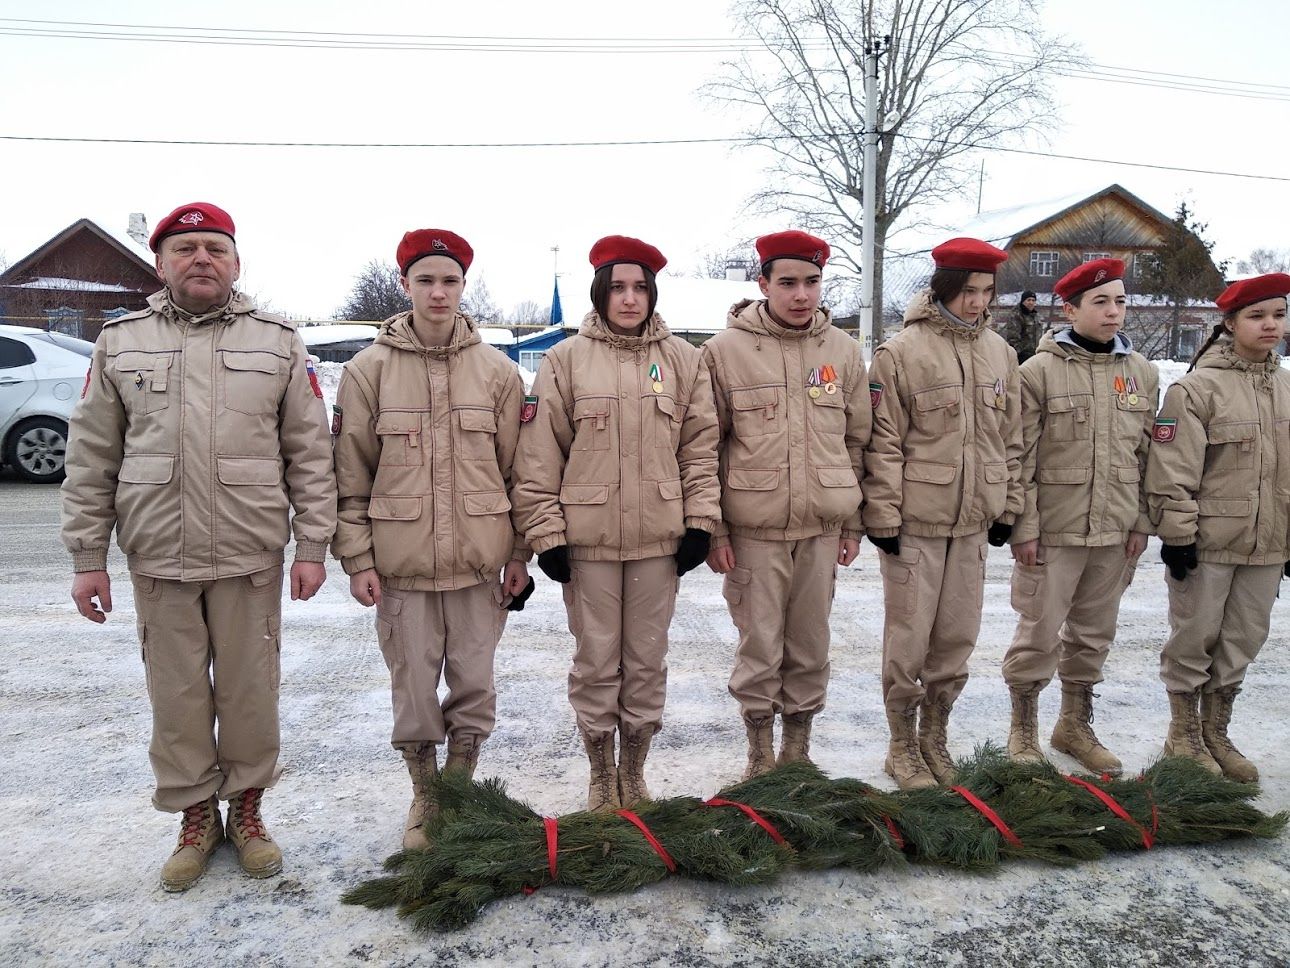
(1002, 226)
(19, 268)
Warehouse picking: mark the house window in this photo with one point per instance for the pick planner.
(1043, 263)
(64, 320)
(1090, 256)
(1144, 262)
(115, 313)
(529, 359)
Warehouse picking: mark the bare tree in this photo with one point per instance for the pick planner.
(528, 313)
(959, 75)
(477, 303)
(717, 263)
(1264, 260)
(1182, 272)
(376, 295)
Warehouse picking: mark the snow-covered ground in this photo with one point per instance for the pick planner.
(83, 845)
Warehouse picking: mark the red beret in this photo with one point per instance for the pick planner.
(613, 249)
(1249, 291)
(193, 217)
(420, 243)
(970, 254)
(1090, 275)
(793, 245)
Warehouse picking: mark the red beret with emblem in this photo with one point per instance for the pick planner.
(1090, 275)
(793, 245)
(193, 217)
(420, 243)
(1249, 291)
(613, 249)
(973, 255)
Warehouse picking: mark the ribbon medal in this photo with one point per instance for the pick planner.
(656, 377)
(999, 393)
(813, 383)
(829, 376)
(138, 381)
(1133, 392)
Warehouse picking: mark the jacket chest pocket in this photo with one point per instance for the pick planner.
(757, 411)
(994, 404)
(1232, 446)
(666, 416)
(828, 412)
(938, 411)
(250, 381)
(1068, 417)
(591, 424)
(476, 434)
(1132, 419)
(401, 438)
(144, 380)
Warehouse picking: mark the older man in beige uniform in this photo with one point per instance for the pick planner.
(1087, 406)
(200, 427)
(942, 476)
(426, 423)
(790, 391)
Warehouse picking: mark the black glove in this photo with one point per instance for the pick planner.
(517, 603)
(1286, 571)
(1179, 559)
(693, 550)
(554, 563)
(888, 546)
(999, 534)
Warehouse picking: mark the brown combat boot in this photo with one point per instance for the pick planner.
(423, 767)
(760, 731)
(1215, 714)
(633, 749)
(932, 726)
(602, 790)
(1184, 737)
(905, 762)
(463, 752)
(1023, 734)
(200, 832)
(795, 744)
(1074, 734)
(256, 851)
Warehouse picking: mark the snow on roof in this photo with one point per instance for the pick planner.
(69, 285)
(999, 225)
(337, 333)
(496, 336)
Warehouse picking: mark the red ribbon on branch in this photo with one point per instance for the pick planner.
(752, 815)
(653, 841)
(1110, 803)
(989, 815)
(551, 825)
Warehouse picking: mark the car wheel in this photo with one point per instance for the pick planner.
(37, 449)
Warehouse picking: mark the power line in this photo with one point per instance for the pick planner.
(481, 145)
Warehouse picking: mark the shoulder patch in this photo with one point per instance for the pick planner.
(1163, 431)
(337, 414)
(529, 409)
(313, 377)
(875, 395)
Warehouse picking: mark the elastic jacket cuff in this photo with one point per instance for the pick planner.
(548, 541)
(93, 559)
(358, 563)
(315, 551)
(703, 524)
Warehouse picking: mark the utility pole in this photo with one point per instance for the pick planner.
(870, 324)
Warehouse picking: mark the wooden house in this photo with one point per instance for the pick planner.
(76, 280)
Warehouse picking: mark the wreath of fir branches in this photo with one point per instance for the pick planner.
(486, 846)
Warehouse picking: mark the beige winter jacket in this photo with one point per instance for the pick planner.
(194, 437)
(945, 456)
(621, 456)
(1219, 470)
(424, 451)
(1086, 424)
(791, 437)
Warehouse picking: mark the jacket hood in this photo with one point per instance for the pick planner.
(593, 327)
(397, 332)
(753, 316)
(1061, 343)
(1221, 356)
(924, 309)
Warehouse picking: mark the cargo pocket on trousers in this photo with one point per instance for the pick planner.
(899, 584)
(985, 554)
(274, 643)
(1027, 581)
(736, 585)
(143, 654)
(387, 630)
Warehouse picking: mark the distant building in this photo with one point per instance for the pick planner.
(75, 281)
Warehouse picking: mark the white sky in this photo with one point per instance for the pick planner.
(309, 218)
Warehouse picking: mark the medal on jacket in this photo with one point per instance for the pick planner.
(138, 381)
(829, 376)
(1133, 392)
(813, 381)
(656, 377)
(998, 393)
(1120, 390)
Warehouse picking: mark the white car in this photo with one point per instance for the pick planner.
(41, 376)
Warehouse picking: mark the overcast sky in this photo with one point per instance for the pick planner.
(309, 218)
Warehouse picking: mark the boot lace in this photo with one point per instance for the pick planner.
(190, 833)
(246, 814)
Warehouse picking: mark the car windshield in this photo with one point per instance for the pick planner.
(83, 347)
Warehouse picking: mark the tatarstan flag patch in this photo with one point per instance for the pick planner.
(875, 395)
(1163, 431)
